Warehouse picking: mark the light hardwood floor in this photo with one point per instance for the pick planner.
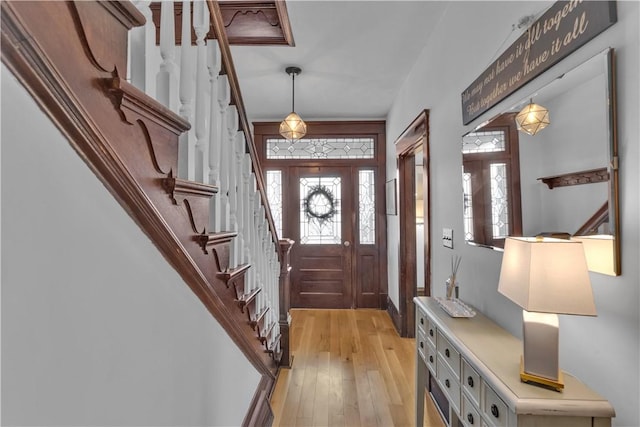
(350, 368)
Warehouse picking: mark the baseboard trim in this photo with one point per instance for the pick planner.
(396, 317)
(260, 412)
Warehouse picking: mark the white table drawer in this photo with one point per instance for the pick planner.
(422, 344)
(471, 382)
(423, 321)
(495, 410)
(470, 413)
(449, 354)
(431, 331)
(449, 383)
(430, 357)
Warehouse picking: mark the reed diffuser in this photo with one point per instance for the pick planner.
(452, 285)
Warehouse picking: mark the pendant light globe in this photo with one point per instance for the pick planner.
(293, 127)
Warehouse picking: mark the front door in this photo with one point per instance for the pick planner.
(321, 213)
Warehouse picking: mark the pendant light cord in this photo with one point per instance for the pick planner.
(293, 92)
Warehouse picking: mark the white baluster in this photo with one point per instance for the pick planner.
(275, 300)
(252, 243)
(186, 164)
(167, 78)
(213, 65)
(142, 51)
(257, 245)
(201, 27)
(246, 202)
(233, 198)
(263, 277)
(217, 139)
(239, 147)
(226, 163)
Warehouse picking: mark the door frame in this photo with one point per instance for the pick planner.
(357, 128)
(416, 135)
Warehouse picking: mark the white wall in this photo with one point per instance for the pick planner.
(97, 328)
(602, 351)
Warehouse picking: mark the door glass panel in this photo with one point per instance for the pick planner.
(274, 196)
(320, 211)
(367, 207)
(468, 207)
(499, 202)
(320, 148)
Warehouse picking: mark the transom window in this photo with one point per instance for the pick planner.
(321, 148)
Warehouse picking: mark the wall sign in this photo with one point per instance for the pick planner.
(562, 29)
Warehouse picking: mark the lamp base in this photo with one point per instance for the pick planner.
(528, 378)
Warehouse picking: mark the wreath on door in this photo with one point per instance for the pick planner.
(320, 203)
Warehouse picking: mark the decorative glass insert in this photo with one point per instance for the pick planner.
(321, 148)
(483, 142)
(468, 207)
(367, 207)
(320, 211)
(274, 196)
(499, 202)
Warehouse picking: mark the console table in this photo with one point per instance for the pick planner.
(471, 369)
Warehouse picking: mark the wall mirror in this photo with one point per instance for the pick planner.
(560, 182)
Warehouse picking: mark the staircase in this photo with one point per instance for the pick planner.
(172, 145)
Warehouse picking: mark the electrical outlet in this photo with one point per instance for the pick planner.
(447, 238)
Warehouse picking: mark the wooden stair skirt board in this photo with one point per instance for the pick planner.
(130, 142)
(195, 196)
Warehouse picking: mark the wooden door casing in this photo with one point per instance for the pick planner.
(368, 262)
(416, 135)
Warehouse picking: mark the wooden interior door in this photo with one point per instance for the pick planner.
(320, 208)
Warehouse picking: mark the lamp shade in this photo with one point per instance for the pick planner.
(532, 118)
(293, 127)
(598, 250)
(546, 275)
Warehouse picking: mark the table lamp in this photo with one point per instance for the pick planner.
(545, 277)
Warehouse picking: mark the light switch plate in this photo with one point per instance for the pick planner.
(447, 237)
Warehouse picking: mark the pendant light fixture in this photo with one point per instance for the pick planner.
(293, 127)
(532, 118)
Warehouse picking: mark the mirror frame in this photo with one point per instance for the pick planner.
(608, 56)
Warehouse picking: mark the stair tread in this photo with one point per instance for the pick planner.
(254, 323)
(216, 238)
(247, 298)
(234, 272)
(185, 187)
(266, 331)
(145, 105)
(275, 342)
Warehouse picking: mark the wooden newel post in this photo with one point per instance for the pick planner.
(284, 318)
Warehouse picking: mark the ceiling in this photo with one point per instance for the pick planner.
(354, 57)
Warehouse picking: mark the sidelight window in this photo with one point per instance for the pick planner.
(274, 196)
(367, 207)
